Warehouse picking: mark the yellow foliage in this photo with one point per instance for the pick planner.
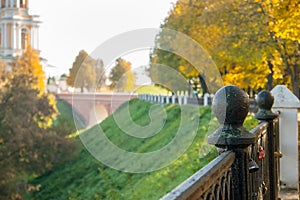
(249, 41)
(284, 18)
(247, 76)
(47, 121)
(29, 63)
(188, 71)
(129, 81)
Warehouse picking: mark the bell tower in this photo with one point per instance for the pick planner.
(18, 29)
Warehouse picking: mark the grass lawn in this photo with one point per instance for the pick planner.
(151, 89)
(86, 178)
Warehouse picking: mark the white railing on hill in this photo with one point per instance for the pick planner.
(177, 99)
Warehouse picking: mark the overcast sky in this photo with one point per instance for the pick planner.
(69, 26)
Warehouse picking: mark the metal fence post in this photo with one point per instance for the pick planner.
(231, 106)
(265, 102)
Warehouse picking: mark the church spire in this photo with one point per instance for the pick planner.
(18, 29)
(14, 4)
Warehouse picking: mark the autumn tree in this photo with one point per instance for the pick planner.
(82, 74)
(180, 19)
(244, 52)
(263, 35)
(29, 63)
(285, 32)
(28, 144)
(254, 43)
(121, 76)
(100, 73)
(256, 39)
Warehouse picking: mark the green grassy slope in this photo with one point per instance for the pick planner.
(65, 118)
(86, 178)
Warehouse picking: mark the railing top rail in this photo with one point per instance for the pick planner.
(204, 178)
(257, 130)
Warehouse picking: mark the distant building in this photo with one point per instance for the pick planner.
(18, 29)
(58, 85)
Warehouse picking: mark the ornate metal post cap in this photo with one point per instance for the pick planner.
(265, 102)
(231, 106)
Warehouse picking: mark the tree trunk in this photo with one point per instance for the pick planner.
(295, 80)
(203, 84)
(270, 76)
(292, 70)
(190, 89)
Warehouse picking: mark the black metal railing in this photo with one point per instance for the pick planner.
(264, 182)
(248, 168)
(211, 182)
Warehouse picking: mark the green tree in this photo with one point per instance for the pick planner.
(4, 75)
(82, 74)
(121, 76)
(28, 144)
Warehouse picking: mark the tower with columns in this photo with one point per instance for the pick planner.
(18, 29)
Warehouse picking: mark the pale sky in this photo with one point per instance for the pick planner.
(69, 26)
